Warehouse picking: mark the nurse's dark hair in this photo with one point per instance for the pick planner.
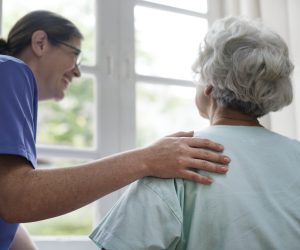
(56, 27)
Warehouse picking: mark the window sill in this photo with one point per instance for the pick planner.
(64, 243)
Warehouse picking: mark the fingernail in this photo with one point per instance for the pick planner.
(226, 159)
(209, 180)
(224, 169)
(220, 147)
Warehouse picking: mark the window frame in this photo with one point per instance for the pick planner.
(122, 57)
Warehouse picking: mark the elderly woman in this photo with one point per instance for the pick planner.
(244, 74)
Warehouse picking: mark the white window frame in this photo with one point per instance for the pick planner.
(115, 82)
(118, 41)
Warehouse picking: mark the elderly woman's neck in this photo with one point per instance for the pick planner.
(223, 116)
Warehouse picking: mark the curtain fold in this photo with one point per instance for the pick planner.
(283, 17)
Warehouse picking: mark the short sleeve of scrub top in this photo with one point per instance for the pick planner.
(18, 109)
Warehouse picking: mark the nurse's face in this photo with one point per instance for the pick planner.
(58, 68)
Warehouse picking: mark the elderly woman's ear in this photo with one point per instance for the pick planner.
(207, 90)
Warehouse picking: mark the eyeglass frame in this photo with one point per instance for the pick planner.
(77, 51)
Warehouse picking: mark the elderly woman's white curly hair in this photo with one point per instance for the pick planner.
(248, 66)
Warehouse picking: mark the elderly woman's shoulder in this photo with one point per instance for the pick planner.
(297, 144)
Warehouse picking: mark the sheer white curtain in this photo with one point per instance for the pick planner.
(282, 16)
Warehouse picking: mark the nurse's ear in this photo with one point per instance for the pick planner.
(39, 42)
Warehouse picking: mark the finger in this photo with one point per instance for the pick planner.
(193, 176)
(208, 166)
(182, 134)
(204, 143)
(209, 156)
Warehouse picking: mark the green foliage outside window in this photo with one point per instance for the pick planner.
(76, 223)
(70, 121)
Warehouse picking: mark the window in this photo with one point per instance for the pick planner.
(148, 49)
(136, 85)
(166, 44)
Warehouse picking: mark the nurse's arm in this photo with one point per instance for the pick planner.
(28, 194)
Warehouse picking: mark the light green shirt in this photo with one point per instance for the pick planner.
(256, 205)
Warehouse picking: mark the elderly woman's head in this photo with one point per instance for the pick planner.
(247, 67)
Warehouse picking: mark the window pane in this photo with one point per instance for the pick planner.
(70, 121)
(78, 11)
(193, 5)
(164, 109)
(78, 222)
(166, 43)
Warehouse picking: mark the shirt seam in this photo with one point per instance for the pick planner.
(165, 202)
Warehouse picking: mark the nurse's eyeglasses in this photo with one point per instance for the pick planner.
(77, 51)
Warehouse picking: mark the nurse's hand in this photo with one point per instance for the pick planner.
(178, 155)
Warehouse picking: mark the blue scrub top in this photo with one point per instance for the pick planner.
(18, 112)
